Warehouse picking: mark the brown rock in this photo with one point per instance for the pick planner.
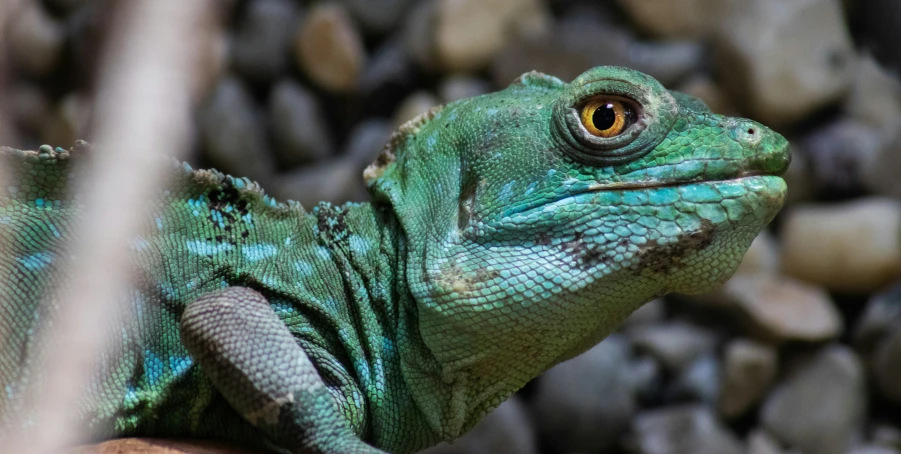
(749, 369)
(157, 446)
(329, 48)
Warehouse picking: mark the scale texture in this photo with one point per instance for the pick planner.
(508, 232)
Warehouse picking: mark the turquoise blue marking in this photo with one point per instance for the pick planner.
(139, 244)
(207, 248)
(153, 368)
(507, 191)
(258, 252)
(53, 229)
(358, 244)
(159, 224)
(37, 260)
(6, 220)
(304, 268)
(39, 202)
(283, 308)
(131, 394)
(179, 364)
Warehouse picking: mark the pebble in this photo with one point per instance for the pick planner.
(262, 42)
(873, 449)
(760, 442)
(460, 86)
(391, 67)
(839, 151)
(367, 140)
(584, 404)
(886, 365)
(805, 62)
(377, 16)
(875, 96)
(749, 369)
(300, 134)
(684, 429)
(232, 130)
(572, 46)
(35, 40)
(779, 309)
(848, 247)
(467, 34)
(675, 344)
(881, 315)
(698, 382)
(821, 406)
(29, 107)
(703, 87)
(674, 19)
(506, 430)
(650, 312)
(329, 48)
(413, 106)
(335, 180)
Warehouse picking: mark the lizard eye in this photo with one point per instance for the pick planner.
(607, 117)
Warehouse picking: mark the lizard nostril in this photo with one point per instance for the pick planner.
(751, 131)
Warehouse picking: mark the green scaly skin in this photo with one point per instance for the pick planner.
(503, 239)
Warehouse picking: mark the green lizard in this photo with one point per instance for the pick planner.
(508, 232)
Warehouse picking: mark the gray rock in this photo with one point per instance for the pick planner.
(647, 377)
(805, 62)
(839, 152)
(821, 406)
(750, 368)
(873, 449)
(377, 16)
(777, 308)
(881, 316)
(467, 34)
(674, 19)
(703, 86)
(675, 344)
(455, 87)
(875, 96)
(329, 48)
(571, 47)
(650, 312)
(507, 430)
(699, 381)
(366, 141)
(262, 42)
(849, 247)
(684, 429)
(760, 442)
(336, 180)
(886, 365)
(390, 65)
(232, 130)
(29, 107)
(300, 134)
(34, 39)
(584, 404)
(69, 120)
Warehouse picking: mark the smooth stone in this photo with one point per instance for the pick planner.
(29, 107)
(805, 63)
(760, 442)
(684, 429)
(413, 106)
(35, 40)
(698, 382)
(233, 132)
(881, 316)
(875, 96)
(848, 247)
(336, 180)
(674, 19)
(329, 48)
(367, 140)
(506, 430)
(839, 151)
(391, 67)
(458, 86)
(261, 47)
(156, 446)
(651, 312)
(762, 257)
(703, 87)
(647, 377)
(584, 404)
(570, 47)
(749, 369)
(675, 344)
(377, 16)
(300, 134)
(821, 406)
(873, 449)
(777, 308)
(886, 365)
(467, 34)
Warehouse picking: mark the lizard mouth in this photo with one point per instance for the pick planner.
(630, 185)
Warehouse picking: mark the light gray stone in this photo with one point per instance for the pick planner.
(584, 404)
(674, 18)
(456, 87)
(675, 344)
(506, 430)
(34, 39)
(684, 429)
(699, 381)
(300, 134)
(784, 58)
(261, 47)
(377, 16)
(821, 406)
(750, 368)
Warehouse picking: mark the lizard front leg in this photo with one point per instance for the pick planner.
(254, 361)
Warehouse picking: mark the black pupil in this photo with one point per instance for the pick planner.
(604, 117)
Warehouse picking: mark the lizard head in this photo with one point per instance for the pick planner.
(545, 213)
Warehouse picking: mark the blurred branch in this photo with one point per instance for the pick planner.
(143, 105)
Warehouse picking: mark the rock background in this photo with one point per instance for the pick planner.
(799, 353)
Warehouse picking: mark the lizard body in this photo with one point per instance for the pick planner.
(508, 232)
